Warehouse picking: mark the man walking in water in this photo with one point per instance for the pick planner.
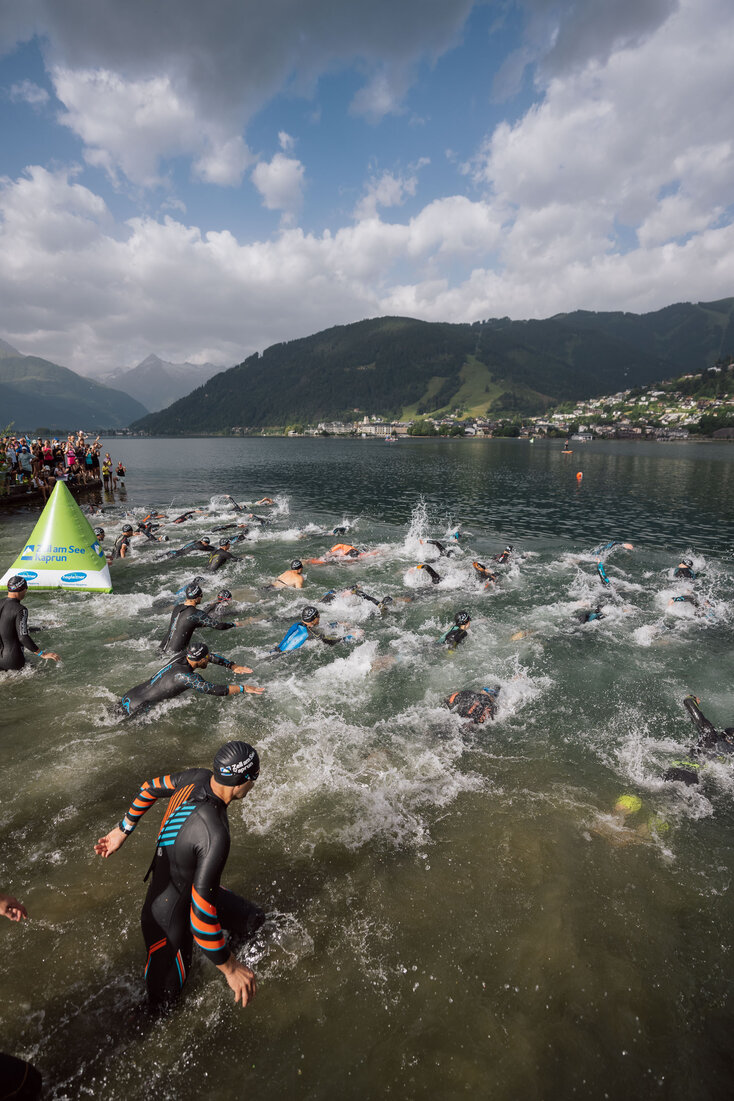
(185, 902)
(14, 636)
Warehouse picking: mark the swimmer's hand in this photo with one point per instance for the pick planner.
(253, 689)
(12, 909)
(109, 844)
(240, 669)
(240, 979)
(49, 654)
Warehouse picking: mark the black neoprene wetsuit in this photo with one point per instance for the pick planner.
(185, 618)
(454, 636)
(185, 901)
(684, 573)
(477, 706)
(218, 558)
(171, 681)
(189, 548)
(435, 577)
(120, 542)
(14, 636)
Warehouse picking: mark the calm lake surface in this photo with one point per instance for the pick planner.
(453, 911)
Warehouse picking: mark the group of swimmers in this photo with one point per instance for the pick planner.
(185, 902)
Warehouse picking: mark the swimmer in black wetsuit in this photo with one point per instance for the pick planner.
(435, 577)
(589, 615)
(122, 543)
(181, 674)
(460, 631)
(444, 552)
(14, 636)
(711, 743)
(147, 530)
(185, 900)
(485, 574)
(203, 544)
(218, 557)
(477, 706)
(187, 515)
(504, 555)
(99, 534)
(224, 597)
(330, 596)
(684, 570)
(185, 619)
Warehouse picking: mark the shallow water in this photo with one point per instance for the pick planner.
(453, 911)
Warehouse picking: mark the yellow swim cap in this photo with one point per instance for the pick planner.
(628, 804)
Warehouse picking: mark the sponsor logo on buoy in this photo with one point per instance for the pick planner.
(29, 575)
(27, 554)
(70, 578)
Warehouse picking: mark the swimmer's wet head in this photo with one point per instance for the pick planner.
(197, 654)
(99, 533)
(462, 619)
(194, 592)
(223, 596)
(17, 585)
(236, 763)
(310, 614)
(297, 564)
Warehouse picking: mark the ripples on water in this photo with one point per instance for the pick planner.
(451, 910)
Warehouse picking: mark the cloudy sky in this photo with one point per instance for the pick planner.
(203, 180)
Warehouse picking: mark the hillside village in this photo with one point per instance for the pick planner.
(693, 404)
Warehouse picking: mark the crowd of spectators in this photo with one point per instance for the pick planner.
(37, 465)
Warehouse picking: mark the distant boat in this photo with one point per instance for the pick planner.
(391, 439)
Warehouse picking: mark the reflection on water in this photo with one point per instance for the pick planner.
(452, 911)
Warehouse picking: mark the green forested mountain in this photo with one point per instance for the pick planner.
(36, 393)
(400, 367)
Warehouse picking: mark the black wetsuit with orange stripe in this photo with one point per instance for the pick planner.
(185, 901)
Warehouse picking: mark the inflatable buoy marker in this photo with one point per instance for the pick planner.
(579, 476)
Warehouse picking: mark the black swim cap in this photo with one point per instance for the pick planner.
(205, 539)
(687, 562)
(224, 594)
(192, 591)
(309, 613)
(99, 532)
(17, 584)
(235, 764)
(296, 564)
(224, 543)
(197, 651)
(127, 529)
(461, 618)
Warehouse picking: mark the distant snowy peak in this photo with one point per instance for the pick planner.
(157, 383)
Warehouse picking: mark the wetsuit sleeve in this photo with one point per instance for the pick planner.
(205, 923)
(160, 787)
(22, 628)
(205, 620)
(196, 681)
(218, 659)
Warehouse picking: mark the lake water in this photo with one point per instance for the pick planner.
(453, 911)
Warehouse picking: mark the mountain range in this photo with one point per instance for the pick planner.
(398, 367)
(156, 383)
(35, 393)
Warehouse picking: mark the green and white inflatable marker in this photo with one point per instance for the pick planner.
(62, 552)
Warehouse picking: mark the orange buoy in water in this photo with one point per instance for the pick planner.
(579, 476)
